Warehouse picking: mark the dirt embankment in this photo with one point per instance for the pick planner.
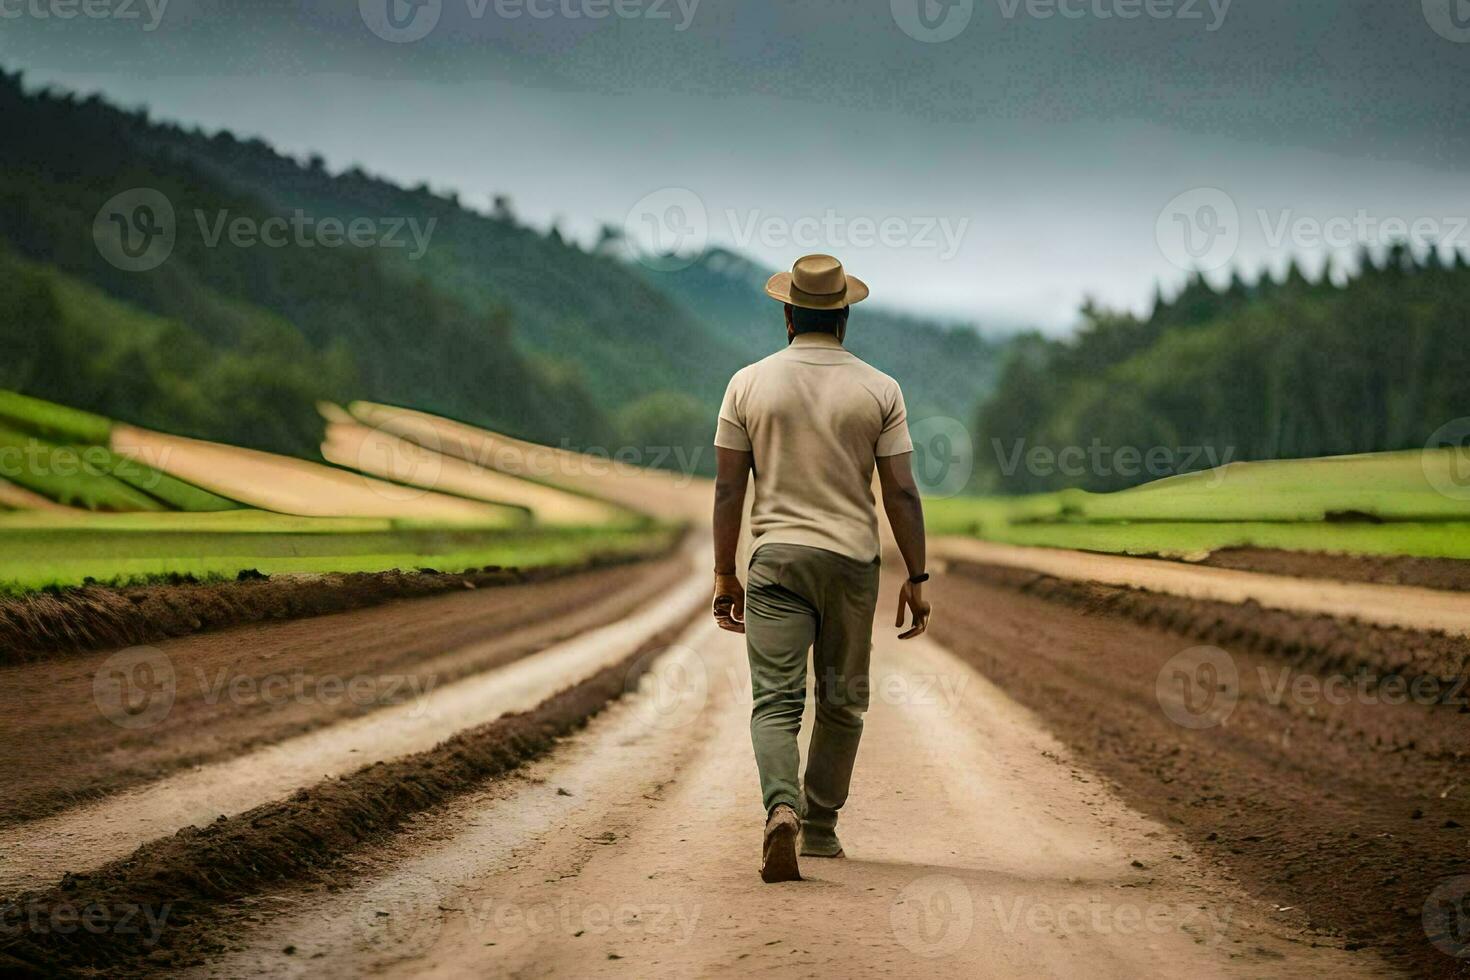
(232, 690)
(1319, 776)
(1452, 574)
(99, 617)
(172, 890)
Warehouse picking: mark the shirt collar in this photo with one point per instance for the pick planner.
(824, 340)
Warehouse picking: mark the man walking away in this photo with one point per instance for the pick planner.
(812, 422)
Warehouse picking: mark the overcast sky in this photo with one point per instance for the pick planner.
(989, 160)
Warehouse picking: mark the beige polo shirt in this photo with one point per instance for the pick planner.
(816, 418)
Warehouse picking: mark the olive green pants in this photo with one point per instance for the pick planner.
(799, 598)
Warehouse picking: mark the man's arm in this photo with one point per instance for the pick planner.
(905, 510)
(732, 472)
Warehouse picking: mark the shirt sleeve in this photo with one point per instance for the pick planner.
(731, 434)
(894, 439)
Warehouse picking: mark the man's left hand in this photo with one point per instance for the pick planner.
(729, 603)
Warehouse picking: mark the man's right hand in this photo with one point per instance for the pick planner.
(912, 597)
(729, 603)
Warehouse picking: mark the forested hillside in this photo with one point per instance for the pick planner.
(471, 315)
(299, 321)
(1276, 369)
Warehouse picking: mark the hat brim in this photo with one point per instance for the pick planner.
(780, 288)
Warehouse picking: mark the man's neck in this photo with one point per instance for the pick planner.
(816, 339)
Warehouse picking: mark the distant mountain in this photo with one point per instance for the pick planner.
(357, 319)
(944, 370)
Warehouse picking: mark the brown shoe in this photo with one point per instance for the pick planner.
(778, 861)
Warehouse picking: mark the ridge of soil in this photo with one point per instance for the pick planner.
(96, 617)
(235, 690)
(1351, 809)
(1319, 643)
(190, 876)
(1448, 574)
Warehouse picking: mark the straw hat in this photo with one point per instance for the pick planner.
(817, 282)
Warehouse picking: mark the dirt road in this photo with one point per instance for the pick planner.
(977, 847)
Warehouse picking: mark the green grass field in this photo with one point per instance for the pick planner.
(41, 551)
(131, 523)
(1409, 503)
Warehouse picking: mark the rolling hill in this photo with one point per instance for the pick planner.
(465, 314)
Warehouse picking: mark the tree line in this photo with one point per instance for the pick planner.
(1283, 367)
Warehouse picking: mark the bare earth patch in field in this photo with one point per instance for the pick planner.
(1350, 813)
(97, 617)
(256, 684)
(305, 837)
(1428, 573)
